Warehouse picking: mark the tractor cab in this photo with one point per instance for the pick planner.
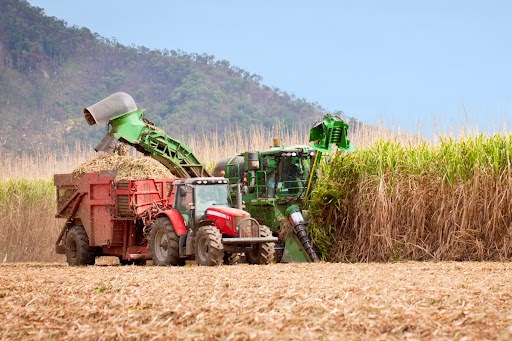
(195, 195)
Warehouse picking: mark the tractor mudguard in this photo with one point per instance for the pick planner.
(176, 220)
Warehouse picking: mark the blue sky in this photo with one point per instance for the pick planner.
(406, 63)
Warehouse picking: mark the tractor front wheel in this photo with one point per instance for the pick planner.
(164, 243)
(209, 248)
(78, 251)
(261, 253)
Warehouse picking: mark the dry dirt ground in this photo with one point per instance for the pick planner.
(462, 301)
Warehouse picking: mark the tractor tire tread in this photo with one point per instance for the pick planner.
(266, 251)
(173, 256)
(215, 254)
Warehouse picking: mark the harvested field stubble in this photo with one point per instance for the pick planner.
(447, 300)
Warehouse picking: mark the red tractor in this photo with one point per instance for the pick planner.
(201, 222)
(168, 221)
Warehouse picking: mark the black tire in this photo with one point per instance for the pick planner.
(164, 243)
(209, 248)
(279, 251)
(78, 251)
(262, 253)
(132, 262)
(231, 258)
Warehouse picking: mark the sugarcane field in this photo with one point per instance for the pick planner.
(360, 188)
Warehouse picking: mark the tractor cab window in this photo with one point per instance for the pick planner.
(184, 199)
(210, 195)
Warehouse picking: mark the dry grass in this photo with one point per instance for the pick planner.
(209, 148)
(28, 228)
(427, 301)
(43, 163)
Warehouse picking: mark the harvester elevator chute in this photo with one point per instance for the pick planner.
(126, 123)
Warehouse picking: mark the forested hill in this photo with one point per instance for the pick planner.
(50, 71)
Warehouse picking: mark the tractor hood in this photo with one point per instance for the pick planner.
(226, 212)
(227, 219)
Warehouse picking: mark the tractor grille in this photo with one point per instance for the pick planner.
(247, 227)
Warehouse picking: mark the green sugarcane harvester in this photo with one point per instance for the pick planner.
(278, 182)
(274, 184)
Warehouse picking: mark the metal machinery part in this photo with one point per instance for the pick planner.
(127, 123)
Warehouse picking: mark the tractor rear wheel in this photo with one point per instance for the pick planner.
(164, 243)
(209, 248)
(261, 253)
(78, 251)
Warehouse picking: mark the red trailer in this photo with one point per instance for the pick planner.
(125, 218)
(106, 215)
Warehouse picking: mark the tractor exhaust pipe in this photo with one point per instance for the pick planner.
(114, 105)
(239, 200)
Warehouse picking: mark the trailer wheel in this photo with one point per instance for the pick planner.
(164, 243)
(261, 253)
(78, 251)
(209, 248)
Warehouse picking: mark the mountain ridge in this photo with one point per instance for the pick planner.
(50, 71)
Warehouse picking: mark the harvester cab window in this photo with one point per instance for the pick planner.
(291, 175)
(271, 184)
(266, 181)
